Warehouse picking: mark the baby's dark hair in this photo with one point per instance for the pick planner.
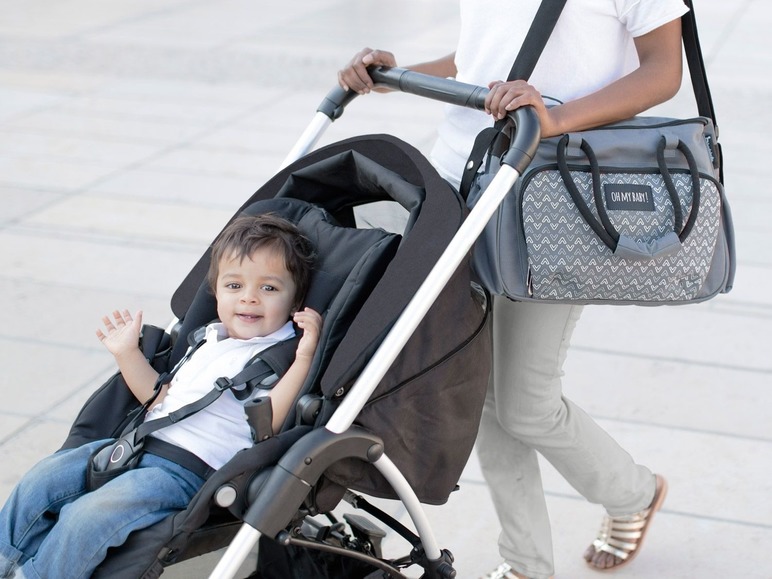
(248, 233)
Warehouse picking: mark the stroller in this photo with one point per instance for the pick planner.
(393, 400)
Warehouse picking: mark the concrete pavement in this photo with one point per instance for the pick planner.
(131, 131)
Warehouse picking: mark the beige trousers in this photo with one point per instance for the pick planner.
(525, 412)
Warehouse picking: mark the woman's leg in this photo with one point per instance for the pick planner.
(101, 519)
(526, 411)
(34, 504)
(511, 470)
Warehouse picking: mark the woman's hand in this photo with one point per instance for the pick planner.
(505, 97)
(354, 75)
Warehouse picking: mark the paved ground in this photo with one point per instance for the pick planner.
(130, 132)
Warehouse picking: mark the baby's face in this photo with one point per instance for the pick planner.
(254, 295)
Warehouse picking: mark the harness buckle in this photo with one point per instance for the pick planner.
(223, 383)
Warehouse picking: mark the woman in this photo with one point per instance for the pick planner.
(606, 60)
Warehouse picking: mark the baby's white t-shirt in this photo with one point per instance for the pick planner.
(217, 432)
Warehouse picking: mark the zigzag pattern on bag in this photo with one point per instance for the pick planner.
(567, 260)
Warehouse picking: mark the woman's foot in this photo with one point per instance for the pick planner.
(620, 538)
(504, 571)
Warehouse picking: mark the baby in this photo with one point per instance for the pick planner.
(51, 526)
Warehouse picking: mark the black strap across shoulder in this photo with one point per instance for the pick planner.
(533, 45)
(544, 23)
(536, 39)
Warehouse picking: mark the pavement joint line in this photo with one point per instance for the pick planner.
(677, 513)
(752, 263)
(31, 423)
(46, 231)
(182, 7)
(729, 26)
(673, 360)
(666, 511)
(659, 425)
(104, 292)
(165, 150)
(37, 188)
(51, 344)
(166, 62)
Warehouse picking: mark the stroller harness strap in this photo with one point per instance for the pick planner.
(124, 454)
(257, 371)
(178, 455)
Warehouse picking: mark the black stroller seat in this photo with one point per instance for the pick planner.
(424, 413)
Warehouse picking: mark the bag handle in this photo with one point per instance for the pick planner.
(622, 245)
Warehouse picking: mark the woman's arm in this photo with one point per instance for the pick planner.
(656, 80)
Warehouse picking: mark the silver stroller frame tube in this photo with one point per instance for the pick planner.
(514, 162)
(308, 139)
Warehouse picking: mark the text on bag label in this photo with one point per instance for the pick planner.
(628, 197)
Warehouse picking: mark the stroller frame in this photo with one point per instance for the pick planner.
(288, 485)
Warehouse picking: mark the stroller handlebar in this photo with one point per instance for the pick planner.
(433, 87)
(525, 120)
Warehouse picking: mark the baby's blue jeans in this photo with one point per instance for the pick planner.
(51, 527)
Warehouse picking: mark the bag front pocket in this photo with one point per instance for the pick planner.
(600, 234)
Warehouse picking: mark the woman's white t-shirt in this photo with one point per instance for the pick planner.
(590, 47)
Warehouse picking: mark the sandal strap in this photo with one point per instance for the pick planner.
(640, 516)
(606, 547)
(625, 535)
(616, 533)
(626, 527)
(503, 571)
(616, 542)
(622, 536)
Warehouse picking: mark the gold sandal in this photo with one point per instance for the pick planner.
(622, 537)
(504, 571)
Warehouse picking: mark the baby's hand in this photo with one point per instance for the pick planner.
(123, 335)
(310, 322)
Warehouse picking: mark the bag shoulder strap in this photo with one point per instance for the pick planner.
(533, 45)
(536, 39)
(696, 64)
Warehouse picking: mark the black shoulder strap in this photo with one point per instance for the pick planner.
(544, 23)
(696, 63)
(533, 45)
(265, 368)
